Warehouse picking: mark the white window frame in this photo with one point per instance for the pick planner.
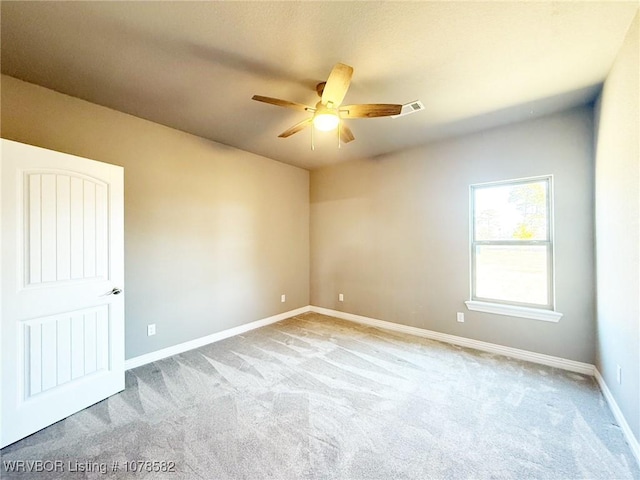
(502, 307)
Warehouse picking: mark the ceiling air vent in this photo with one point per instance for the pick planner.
(411, 107)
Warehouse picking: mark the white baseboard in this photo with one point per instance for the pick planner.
(617, 413)
(540, 358)
(215, 337)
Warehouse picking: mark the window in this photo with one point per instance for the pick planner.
(512, 248)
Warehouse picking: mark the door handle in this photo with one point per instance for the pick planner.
(115, 291)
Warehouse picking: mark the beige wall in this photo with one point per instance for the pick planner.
(392, 233)
(213, 235)
(618, 229)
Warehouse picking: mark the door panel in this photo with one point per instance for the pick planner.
(66, 226)
(65, 347)
(62, 329)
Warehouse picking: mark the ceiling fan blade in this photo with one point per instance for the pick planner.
(296, 128)
(370, 110)
(346, 135)
(282, 103)
(337, 84)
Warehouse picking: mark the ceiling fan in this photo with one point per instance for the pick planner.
(328, 112)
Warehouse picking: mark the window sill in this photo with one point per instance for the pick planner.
(514, 311)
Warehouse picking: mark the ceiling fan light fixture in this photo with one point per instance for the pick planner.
(326, 121)
(329, 112)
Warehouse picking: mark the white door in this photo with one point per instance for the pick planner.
(62, 275)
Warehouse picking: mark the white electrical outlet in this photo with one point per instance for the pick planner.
(151, 329)
(619, 374)
(283, 298)
(340, 297)
(460, 317)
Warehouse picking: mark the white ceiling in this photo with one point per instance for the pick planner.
(195, 65)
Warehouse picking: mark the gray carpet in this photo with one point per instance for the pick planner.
(315, 397)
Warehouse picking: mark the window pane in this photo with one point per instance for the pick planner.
(511, 212)
(512, 273)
